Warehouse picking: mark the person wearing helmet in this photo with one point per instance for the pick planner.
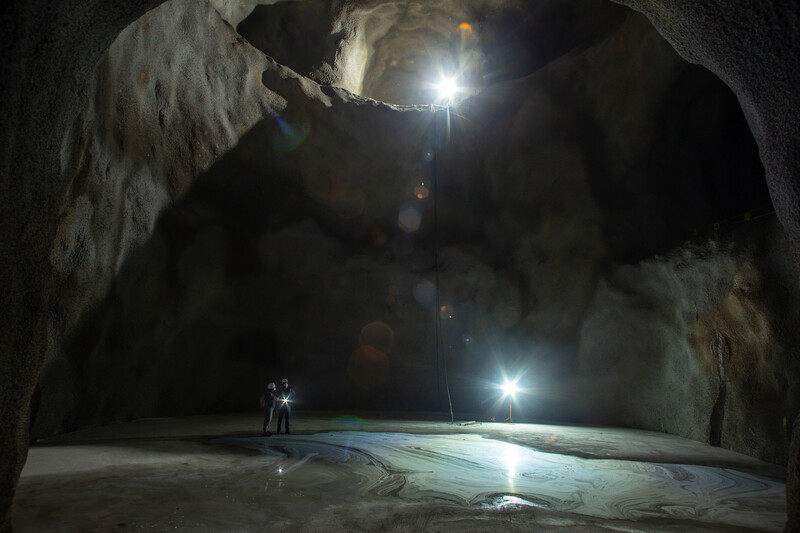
(268, 401)
(284, 397)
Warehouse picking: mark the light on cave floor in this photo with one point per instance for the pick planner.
(510, 388)
(510, 458)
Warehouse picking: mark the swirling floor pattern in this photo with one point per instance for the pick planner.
(471, 470)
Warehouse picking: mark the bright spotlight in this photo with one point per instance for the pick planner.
(510, 388)
(447, 88)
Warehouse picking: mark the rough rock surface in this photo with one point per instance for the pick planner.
(144, 136)
(700, 343)
(49, 56)
(753, 48)
(396, 52)
(64, 46)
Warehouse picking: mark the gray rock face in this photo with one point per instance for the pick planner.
(308, 243)
(689, 343)
(49, 54)
(136, 147)
(752, 47)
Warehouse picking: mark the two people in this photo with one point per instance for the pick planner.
(277, 399)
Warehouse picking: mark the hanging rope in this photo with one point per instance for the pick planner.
(440, 363)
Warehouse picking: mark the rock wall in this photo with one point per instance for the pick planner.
(141, 140)
(752, 47)
(49, 55)
(700, 343)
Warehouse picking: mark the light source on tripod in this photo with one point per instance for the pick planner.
(510, 391)
(510, 388)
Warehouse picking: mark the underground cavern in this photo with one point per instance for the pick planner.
(399, 205)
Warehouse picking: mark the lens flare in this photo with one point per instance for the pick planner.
(350, 422)
(446, 312)
(368, 367)
(292, 137)
(425, 292)
(378, 335)
(409, 217)
(465, 29)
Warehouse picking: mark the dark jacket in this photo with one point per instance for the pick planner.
(284, 394)
(269, 398)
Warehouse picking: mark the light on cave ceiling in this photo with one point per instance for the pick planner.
(447, 88)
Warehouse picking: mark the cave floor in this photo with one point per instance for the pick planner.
(382, 473)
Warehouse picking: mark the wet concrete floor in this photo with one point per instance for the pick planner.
(389, 473)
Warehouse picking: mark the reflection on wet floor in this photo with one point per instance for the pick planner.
(176, 475)
(470, 470)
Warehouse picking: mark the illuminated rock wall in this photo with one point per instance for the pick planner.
(699, 343)
(158, 117)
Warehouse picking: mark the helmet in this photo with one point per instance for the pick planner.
(271, 385)
(284, 380)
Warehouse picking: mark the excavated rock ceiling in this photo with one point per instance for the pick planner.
(249, 199)
(397, 51)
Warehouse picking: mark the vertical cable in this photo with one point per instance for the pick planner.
(440, 363)
(436, 258)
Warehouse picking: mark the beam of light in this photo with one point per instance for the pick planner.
(457, 115)
(447, 132)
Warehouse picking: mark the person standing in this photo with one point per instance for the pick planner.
(284, 397)
(269, 408)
